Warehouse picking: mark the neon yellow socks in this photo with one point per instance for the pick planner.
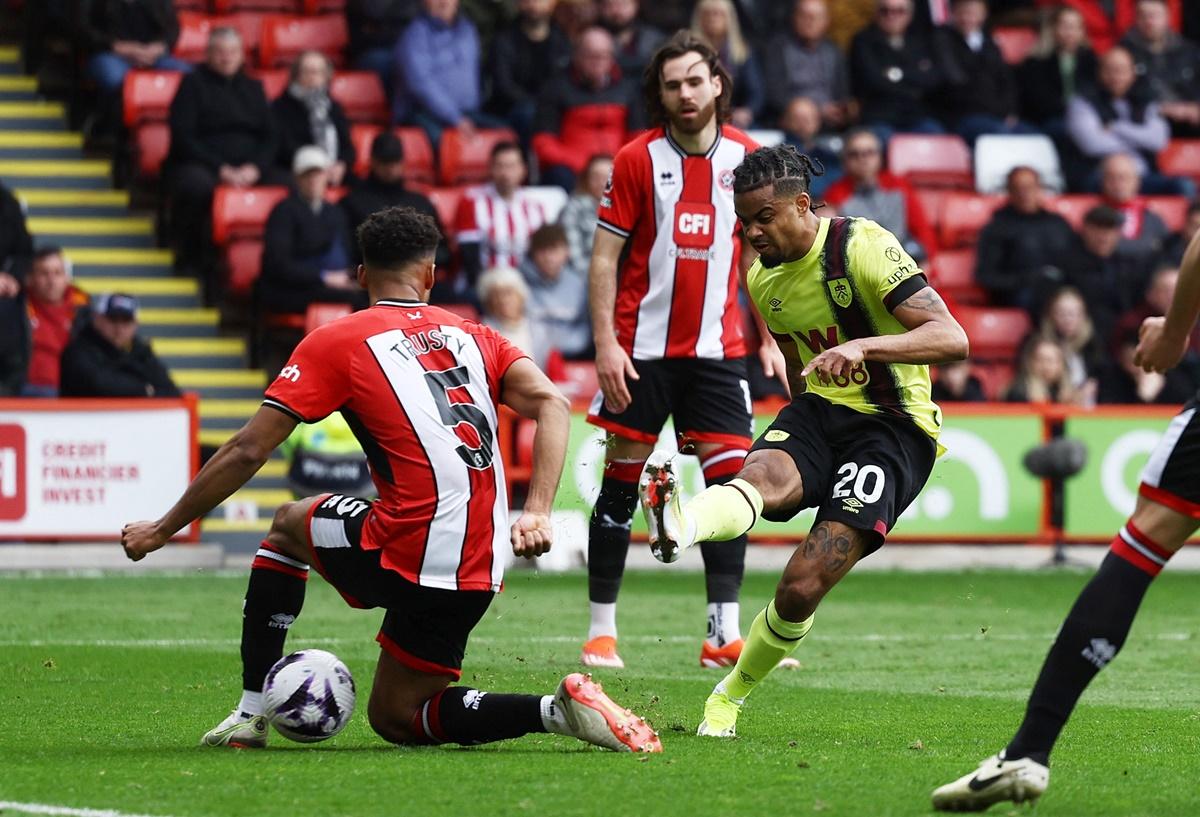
(724, 512)
(771, 639)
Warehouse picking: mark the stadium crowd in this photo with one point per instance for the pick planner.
(540, 94)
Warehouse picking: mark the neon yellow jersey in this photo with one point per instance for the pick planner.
(844, 288)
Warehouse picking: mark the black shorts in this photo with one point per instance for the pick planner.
(859, 469)
(1172, 476)
(709, 399)
(425, 628)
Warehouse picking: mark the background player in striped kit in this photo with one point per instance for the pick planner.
(419, 387)
(668, 330)
(1165, 517)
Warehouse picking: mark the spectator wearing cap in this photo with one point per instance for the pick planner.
(384, 187)
(1021, 247)
(584, 111)
(803, 62)
(1169, 64)
(1111, 282)
(1142, 231)
(306, 115)
(524, 56)
(16, 250)
(221, 133)
(306, 244)
(108, 359)
(505, 300)
(55, 312)
(869, 191)
(557, 298)
(1119, 116)
(438, 80)
(578, 216)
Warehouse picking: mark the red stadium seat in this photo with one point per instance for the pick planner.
(996, 334)
(932, 199)
(275, 6)
(466, 161)
(466, 311)
(241, 212)
(1171, 209)
(323, 6)
(952, 273)
(526, 429)
(274, 81)
(242, 266)
(146, 95)
(283, 38)
(579, 381)
(418, 154)
(151, 144)
(995, 378)
(1015, 42)
(964, 215)
(1181, 158)
(932, 160)
(361, 95)
(321, 314)
(1073, 207)
(194, 30)
(445, 201)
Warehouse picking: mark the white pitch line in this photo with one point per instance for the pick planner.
(64, 811)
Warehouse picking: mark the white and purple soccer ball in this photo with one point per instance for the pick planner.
(309, 696)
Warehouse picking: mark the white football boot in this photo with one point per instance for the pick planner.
(995, 781)
(658, 489)
(595, 718)
(238, 731)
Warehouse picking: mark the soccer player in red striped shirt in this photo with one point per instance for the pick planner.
(668, 330)
(1167, 514)
(420, 387)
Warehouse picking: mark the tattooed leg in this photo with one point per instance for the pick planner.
(826, 555)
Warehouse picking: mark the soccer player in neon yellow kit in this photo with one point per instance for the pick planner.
(859, 326)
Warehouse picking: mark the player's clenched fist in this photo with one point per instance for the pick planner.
(140, 539)
(532, 535)
(1156, 352)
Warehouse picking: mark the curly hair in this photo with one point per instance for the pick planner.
(392, 239)
(684, 42)
(783, 166)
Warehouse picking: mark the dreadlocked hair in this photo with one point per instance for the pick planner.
(789, 170)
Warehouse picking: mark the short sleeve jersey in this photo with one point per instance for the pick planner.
(678, 280)
(846, 287)
(419, 387)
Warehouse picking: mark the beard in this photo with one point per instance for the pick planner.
(697, 124)
(772, 260)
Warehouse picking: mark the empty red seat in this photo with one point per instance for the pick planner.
(932, 200)
(933, 160)
(274, 81)
(995, 333)
(361, 95)
(283, 38)
(1073, 207)
(964, 215)
(151, 144)
(578, 380)
(418, 153)
(1181, 157)
(241, 212)
(146, 95)
(321, 314)
(242, 266)
(194, 29)
(1015, 42)
(1171, 209)
(466, 161)
(952, 273)
(995, 378)
(276, 6)
(445, 200)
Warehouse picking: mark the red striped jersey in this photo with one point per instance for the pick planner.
(677, 286)
(419, 387)
(501, 227)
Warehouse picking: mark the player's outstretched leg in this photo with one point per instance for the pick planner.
(1091, 636)
(413, 707)
(829, 551)
(274, 596)
(608, 545)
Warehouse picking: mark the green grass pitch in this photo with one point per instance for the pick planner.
(905, 682)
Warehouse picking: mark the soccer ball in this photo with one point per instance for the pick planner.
(309, 696)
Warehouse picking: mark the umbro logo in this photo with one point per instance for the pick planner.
(851, 504)
(291, 373)
(776, 305)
